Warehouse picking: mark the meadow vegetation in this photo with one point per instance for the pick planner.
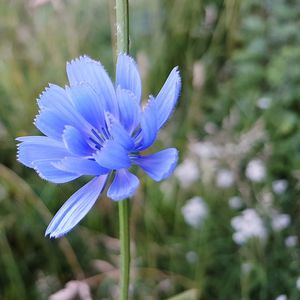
(226, 225)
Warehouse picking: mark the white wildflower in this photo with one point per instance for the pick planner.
(256, 170)
(191, 257)
(291, 241)
(235, 202)
(264, 102)
(194, 211)
(298, 283)
(280, 221)
(187, 173)
(279, 186)
(225, 178)
(248, 225)
(281, 297)
(204, 150)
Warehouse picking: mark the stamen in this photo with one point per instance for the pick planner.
(105, 132)
(95, 144)
(96, 134)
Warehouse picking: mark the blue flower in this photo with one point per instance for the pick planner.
(95, 128)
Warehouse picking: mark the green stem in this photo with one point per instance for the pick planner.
(125, 247)
(122, 28)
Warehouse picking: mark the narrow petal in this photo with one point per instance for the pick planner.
(76, 208)
(148, 132)
(168, 96)
(47, 171)
(112, 156)
(50, 123)
(119, 133)
(85, 69)
(127, 75)
(39, 148)
(80, 166)
(129, 109)
(123, 186)
(58, 111)
(159, 165)
(54, 96)
(76, 142)
(37, 139)
(89, 104)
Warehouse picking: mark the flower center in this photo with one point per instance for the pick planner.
(97, 138)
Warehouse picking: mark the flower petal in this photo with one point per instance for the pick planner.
(159, 165)
(112, 156)
(34, 148)
(76, 142)
(85, 69)
(127, 75)
(129, 109)
(46, 170)
(148, 132)
(123, 186)
(50, 123)
(80, 166)
(168, 96)
(76, 207)
(119, 133)
(57, 110)
(89, 104)
(54, 96)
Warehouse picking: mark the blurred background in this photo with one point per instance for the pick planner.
(226, 225)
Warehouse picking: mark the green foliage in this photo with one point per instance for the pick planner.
(239, 62)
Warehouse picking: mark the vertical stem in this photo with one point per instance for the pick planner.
(125, 247)
(122, 27)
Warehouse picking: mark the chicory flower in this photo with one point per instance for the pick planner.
(95, 128)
